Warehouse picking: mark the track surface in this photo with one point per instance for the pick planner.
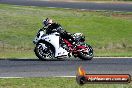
(75, 5)
(36, 68)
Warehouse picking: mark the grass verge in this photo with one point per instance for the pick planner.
(53, 83)
(108, 32)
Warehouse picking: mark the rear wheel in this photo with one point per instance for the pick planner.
(44, 52)
(86, 55)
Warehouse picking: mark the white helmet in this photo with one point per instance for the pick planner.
(47, 22)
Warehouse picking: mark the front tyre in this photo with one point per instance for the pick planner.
(86, 55)
(44, 52)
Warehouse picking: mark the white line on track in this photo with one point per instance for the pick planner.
(31, 77)
(66, 76)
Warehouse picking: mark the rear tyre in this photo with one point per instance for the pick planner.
(44, 52)
(86, 55)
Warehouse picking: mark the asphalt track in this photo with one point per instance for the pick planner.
(74, 5)
(36, 68)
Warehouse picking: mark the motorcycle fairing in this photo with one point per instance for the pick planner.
(54, 40)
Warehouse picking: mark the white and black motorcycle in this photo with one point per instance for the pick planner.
(52, 46)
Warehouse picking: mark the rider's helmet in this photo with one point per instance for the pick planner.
(47, 22)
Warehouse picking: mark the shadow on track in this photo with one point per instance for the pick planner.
(17, 59)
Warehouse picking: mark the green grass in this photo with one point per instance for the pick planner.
(14, 54)
(53, 83)
(108, 32)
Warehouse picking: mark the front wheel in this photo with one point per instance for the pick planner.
(86, 55)
(44, 52)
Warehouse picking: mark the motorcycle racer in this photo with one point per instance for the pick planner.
(52, 27)
(53, 42)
